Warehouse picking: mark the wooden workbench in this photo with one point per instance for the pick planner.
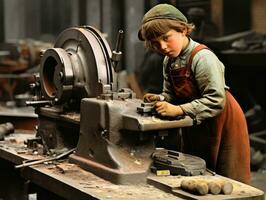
(68, 181)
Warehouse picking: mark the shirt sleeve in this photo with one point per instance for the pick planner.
(168, 91)
(209, 75)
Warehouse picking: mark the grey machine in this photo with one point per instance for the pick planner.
(79, 106)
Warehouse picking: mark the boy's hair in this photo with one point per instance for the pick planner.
(156, 28)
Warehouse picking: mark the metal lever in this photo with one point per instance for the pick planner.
(117, 53)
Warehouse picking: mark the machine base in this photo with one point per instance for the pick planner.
(116, 176)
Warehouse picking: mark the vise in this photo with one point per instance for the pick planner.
(79, 105)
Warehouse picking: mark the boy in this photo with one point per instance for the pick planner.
(194, 85)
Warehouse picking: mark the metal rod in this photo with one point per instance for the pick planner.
(117, 53)
(45, 160)
(38, 103)
(118, 44)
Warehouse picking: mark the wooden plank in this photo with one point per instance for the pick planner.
(172, 184)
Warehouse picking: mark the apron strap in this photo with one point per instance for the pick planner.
(194, 51)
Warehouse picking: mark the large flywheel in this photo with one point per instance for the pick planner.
(78, 66)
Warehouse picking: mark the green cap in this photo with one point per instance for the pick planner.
(162, 11)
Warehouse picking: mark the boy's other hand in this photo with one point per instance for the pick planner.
(150, 97)
(166, 109)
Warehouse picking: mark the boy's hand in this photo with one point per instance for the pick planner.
(149, 97)
(166, 109)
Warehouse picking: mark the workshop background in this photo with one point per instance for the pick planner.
(234, 30)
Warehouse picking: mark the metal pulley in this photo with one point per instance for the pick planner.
(78, 66)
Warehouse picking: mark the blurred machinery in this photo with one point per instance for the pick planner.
(22, 55)
(19, 61)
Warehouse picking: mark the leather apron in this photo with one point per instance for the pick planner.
(223, 140)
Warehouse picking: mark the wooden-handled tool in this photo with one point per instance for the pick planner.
(195, 186)
(220, 187)
(203, 187)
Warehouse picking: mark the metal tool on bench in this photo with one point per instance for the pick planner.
(48, 159)
(178, 163)
(85, 109)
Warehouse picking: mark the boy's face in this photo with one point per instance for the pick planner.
(171, 43)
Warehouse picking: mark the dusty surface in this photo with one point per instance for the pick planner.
(99, 188)
(71, 176)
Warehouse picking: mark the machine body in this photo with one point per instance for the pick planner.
(79, 106)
